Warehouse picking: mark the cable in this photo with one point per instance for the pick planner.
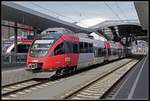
(112, 10)
(51, 11)
(56, 13)
(121, 10)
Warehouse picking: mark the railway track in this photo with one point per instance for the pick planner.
(97, 88)
(113, 90)
(10, 89)
(27, 86)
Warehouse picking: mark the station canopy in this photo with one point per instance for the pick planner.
(142, 8)
(16, 13)
(23, 15)
(125, 27)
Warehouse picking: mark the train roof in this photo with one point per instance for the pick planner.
(60, 30)
(98, 36)
(83, 35)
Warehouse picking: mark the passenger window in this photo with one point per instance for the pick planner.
(85, 47)
(90, 48)
(23, 48)
(75, 48)
(109, 51)
(99, 52)
(81, 47)
(113, 51)
(68, 47)
(103, 51)
(59, 49)
(95, 51)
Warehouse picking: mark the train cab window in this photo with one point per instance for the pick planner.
(81, 47)
(59, 49)
(75, 48)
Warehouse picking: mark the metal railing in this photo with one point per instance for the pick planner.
(13, 59)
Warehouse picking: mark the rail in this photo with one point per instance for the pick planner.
(77, 91)
(11, 89)
(96, 88)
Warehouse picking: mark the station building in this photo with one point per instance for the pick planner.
(21, 23)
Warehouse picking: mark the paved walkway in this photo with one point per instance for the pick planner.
(136, 86)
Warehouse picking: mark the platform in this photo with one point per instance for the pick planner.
(15, 75)
(136, 85)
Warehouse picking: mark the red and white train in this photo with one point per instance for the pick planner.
(22, 46)
(61, 52)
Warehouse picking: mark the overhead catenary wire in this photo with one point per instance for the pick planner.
(50, 10)
(113, 11)
(55, 13)
(121, 10)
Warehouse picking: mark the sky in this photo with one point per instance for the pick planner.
(85, 13)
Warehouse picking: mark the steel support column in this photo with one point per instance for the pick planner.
(15, 40)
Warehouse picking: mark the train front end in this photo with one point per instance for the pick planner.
(38, 55)
(40, 60)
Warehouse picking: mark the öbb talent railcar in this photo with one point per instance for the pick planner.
(62, 52)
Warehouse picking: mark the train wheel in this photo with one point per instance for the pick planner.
(58, 72)
(72, 70)
(65, 71)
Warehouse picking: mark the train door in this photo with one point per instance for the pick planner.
(108, 46)
(86, 57)
(71, 53)
(99, 52)
(59, 55)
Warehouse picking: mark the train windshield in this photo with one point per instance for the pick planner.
(40, 47)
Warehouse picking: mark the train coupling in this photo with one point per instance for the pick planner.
(36, 71)
(34, 67)
(44, 75)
